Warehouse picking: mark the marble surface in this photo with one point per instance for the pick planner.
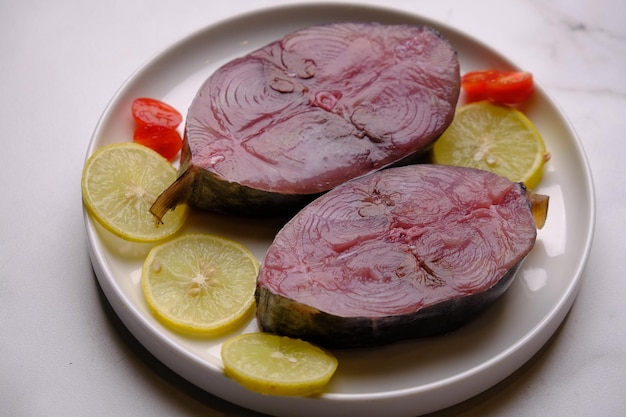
(64, 353)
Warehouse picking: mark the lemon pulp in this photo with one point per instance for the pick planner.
(200, 283)
(277, 365)
(119, 184)
(495, 138)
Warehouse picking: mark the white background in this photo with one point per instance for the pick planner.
(64, 353)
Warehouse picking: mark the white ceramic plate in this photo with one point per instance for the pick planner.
(413, 377)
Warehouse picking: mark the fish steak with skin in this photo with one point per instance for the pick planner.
(273, 129)
(405, 252)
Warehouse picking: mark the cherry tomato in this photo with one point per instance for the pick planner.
(510, 87)
(152, 112)
(475, 84)
(165, 141)
(507, 87)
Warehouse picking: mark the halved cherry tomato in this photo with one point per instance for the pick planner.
(153, 112)
(164, 140)
(475, 84)
(509, 87)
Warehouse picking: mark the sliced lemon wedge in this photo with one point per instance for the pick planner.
(119, 184)
(200, 284)
(277, 365)
(495, 138)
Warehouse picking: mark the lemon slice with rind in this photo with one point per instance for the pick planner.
(199, 283)
(494, 138)
(119, 184)
(277, 365)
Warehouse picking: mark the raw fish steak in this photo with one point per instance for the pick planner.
(404, 252)
(308, 112)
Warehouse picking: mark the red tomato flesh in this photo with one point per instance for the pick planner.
(475, 84)
(165, 141)
(508, 87)
(152, 112)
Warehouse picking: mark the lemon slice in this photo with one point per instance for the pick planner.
(119, 184)
(494, 138)
(199, 283)
(277, 365)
